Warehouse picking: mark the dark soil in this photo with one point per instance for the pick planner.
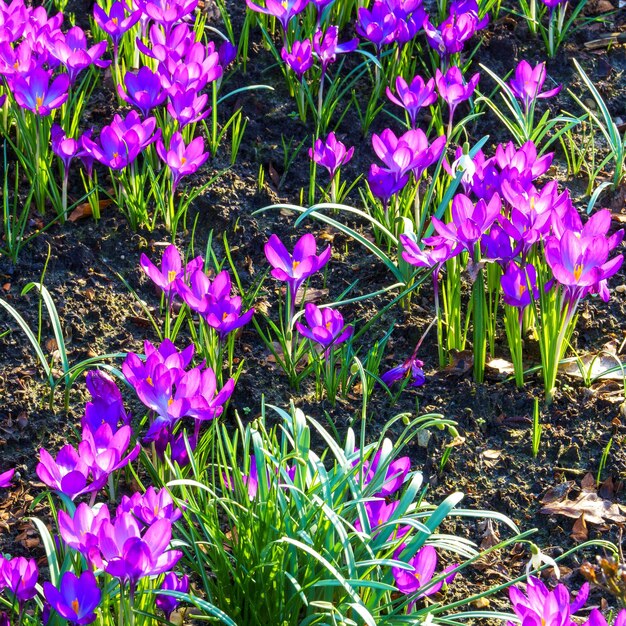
(83, 263)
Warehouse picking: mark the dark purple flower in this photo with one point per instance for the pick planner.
(35, 92)
(377, 24)
(224, 315)
(107, 405)
(385, 183)
(295, 269)
(76, 599)
(186, 106)
(182, 159)
(19, 576)
(6, 478)
(326, 326)
(516, 281)
(171, 268)
(528, 82)
(143, 90)
(300, 59)
(331, 153)
(171, 582)
(413, 97)
(227, 53)
(412, 368)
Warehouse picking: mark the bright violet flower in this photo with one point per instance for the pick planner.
(515, 282)
(167, 12)
(300, 59)
(541, 606)
(107, 405)
(378, 512)
(6, 478)
(76, 599)
(103, 450)
(385, 183)
(143, 90)
(462, 23)
(115, 24)
(521, 164)
(171, 582)
(178, 449)
(423, 564)
(202, 293)
(453, 89)
(528, 82)
(332, 153)
(395, 472)
(227, 53)
(412, 368)
(64, 147)
(439, 252)
(469, 221)
(199, 67)
(496, 245)
(283, 11)
(597, 619)
(81, 531)
(327, 46)
(186, 106)
(295, 269)
(171, 269)
(413, 97)
(377, 24)
(68, 473)
(128, 554)
(73, 53)
(151, 506)
(19, 576)
(35, 92)
(173, 44)
(182, 160)
(326, 326)
(206, 402)
(225, 316)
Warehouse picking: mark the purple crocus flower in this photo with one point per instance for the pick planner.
(295, 269)
(378, 512)
(76, 599)
(182, 159)
(35, 92)
(128, 554)
(73, 53)
(385, 183)
(224, 315)
(107, 405)
(186, 106)
(103, 450)
(528, 82)
(522, 163)
(202, 292)
(597, 619)
(395, 473)
(331, 153)
(283, 11)
(63, 146)
(227, 53)
(173, 44)
(414, 96)
(168, 12)
(19, 576)
(143, 90)
(515, 282)
(327, 46)
(6, 478)
(67, 473)
(300, 59)
(326, 326)
(151, 506)
(377, 24)
(423, 564)
(171, 582)
(540, 606)
(81, 531)
(453, 89)
(412, 367)
(469, 221)
(116, 23)
(171, 269)
(206, 402)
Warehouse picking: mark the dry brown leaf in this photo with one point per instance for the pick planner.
(492, 455)
(558, 493)
(595, 509)
(588, 483)
(462, 362)
(579, 530)
(501, 366)
(311, 295)
(274, 176)
(84, 210)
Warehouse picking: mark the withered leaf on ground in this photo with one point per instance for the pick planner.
(596, 510)
(579, 530)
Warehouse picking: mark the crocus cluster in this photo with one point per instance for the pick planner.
(172, 390)
(211, 299)
(325, 327)
(404, 157)
(528, 82)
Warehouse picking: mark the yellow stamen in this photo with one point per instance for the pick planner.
(116, 154)
(295, 264)
(75, 606)
(532, 203)
(39, 101)
(578, 270)
(522, 290)
(149, 380)
(224, 316)
(183, 160)
(114, 20)
(171, 275)
(170, 401)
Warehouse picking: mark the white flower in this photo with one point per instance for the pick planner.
(538, 559)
